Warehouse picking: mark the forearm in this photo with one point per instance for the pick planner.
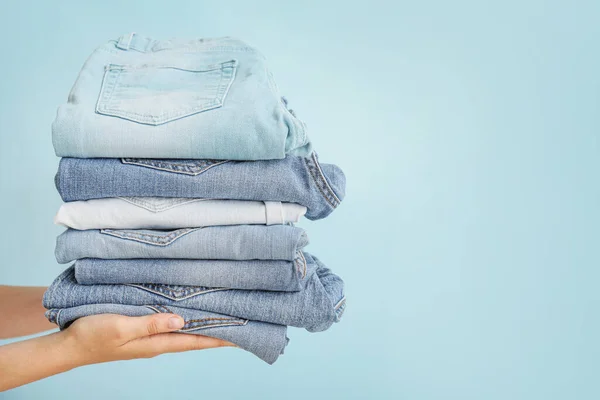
(34, 359)
(22, 311)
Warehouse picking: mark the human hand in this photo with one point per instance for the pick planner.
(96, 339)
(110, 337)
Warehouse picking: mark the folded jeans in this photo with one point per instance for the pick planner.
(235, 242)
(266, 341)
(173, 213)
(278, 275)
(203, 98)
(301, 180)
(316, 307)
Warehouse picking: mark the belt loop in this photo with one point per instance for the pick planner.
(125, 41)
(274, 212)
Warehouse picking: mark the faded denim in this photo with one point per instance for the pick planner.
(173, 213)
(277, 275)
(202, 98)
(301, 180)
(266, 341)
(235, 242)
(316, 307)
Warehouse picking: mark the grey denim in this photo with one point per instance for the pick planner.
(316, 307)
(266, 341)
(280, 275)
(235, 242)
(302, 180)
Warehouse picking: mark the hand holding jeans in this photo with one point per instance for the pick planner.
(110, 337)
(89, 340)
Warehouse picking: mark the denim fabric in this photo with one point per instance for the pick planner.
(252, 274)
(236, 242)
(316, 307)
(267, 341)
(301, 180)
(173, 213)
(203, 98)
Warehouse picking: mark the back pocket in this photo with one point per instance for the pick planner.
(186, 167)
(175, 292)
(153, 237)
(156, 94)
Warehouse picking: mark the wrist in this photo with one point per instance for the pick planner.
(69, 351)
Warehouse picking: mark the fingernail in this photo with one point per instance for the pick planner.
(176, 323)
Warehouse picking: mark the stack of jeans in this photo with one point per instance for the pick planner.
(183, 173)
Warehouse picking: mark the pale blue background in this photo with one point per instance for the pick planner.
(468, 131)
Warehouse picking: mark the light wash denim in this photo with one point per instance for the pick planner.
(201, 98)
(316, 307)
(173, 213)
(301, 180)
(266, 341)
(235, 242)
(277, 275)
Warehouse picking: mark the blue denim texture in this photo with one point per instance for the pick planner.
(316, 307)
(301, 180)
(234, 242)
(266, 341)
(202, 98)
(279, 275)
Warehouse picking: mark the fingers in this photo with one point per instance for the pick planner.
(154, 345)
(138, 327)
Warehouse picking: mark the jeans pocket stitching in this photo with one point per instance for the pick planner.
(196, 324)
(147, 204)
(169, 166)
(155, 240)
(106, 104)
(172, 294)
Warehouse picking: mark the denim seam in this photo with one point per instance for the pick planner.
(226, 82)
(298, 125)
(129, 39)
(105, 96)
(197, 322)
(324, 178)
(137, 237)
(104, 102)
(315, 171)
(339, 303)
(197, 325)
(209, 106)
(300, 257)
(296, 122)
(172, 296)
(157, 166)
(186, 48)
(52, 289)
(146, 205)
(339, 308)
(114, 86)
(58, 316)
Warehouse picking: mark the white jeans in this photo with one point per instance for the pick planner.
(173, 213)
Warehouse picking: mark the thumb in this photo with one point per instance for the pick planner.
(137, 327)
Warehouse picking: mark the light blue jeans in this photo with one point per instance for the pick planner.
(266, 341)
(316, 307)
(303, 180)
(234, 242)
(202, 98)
(280, 275)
